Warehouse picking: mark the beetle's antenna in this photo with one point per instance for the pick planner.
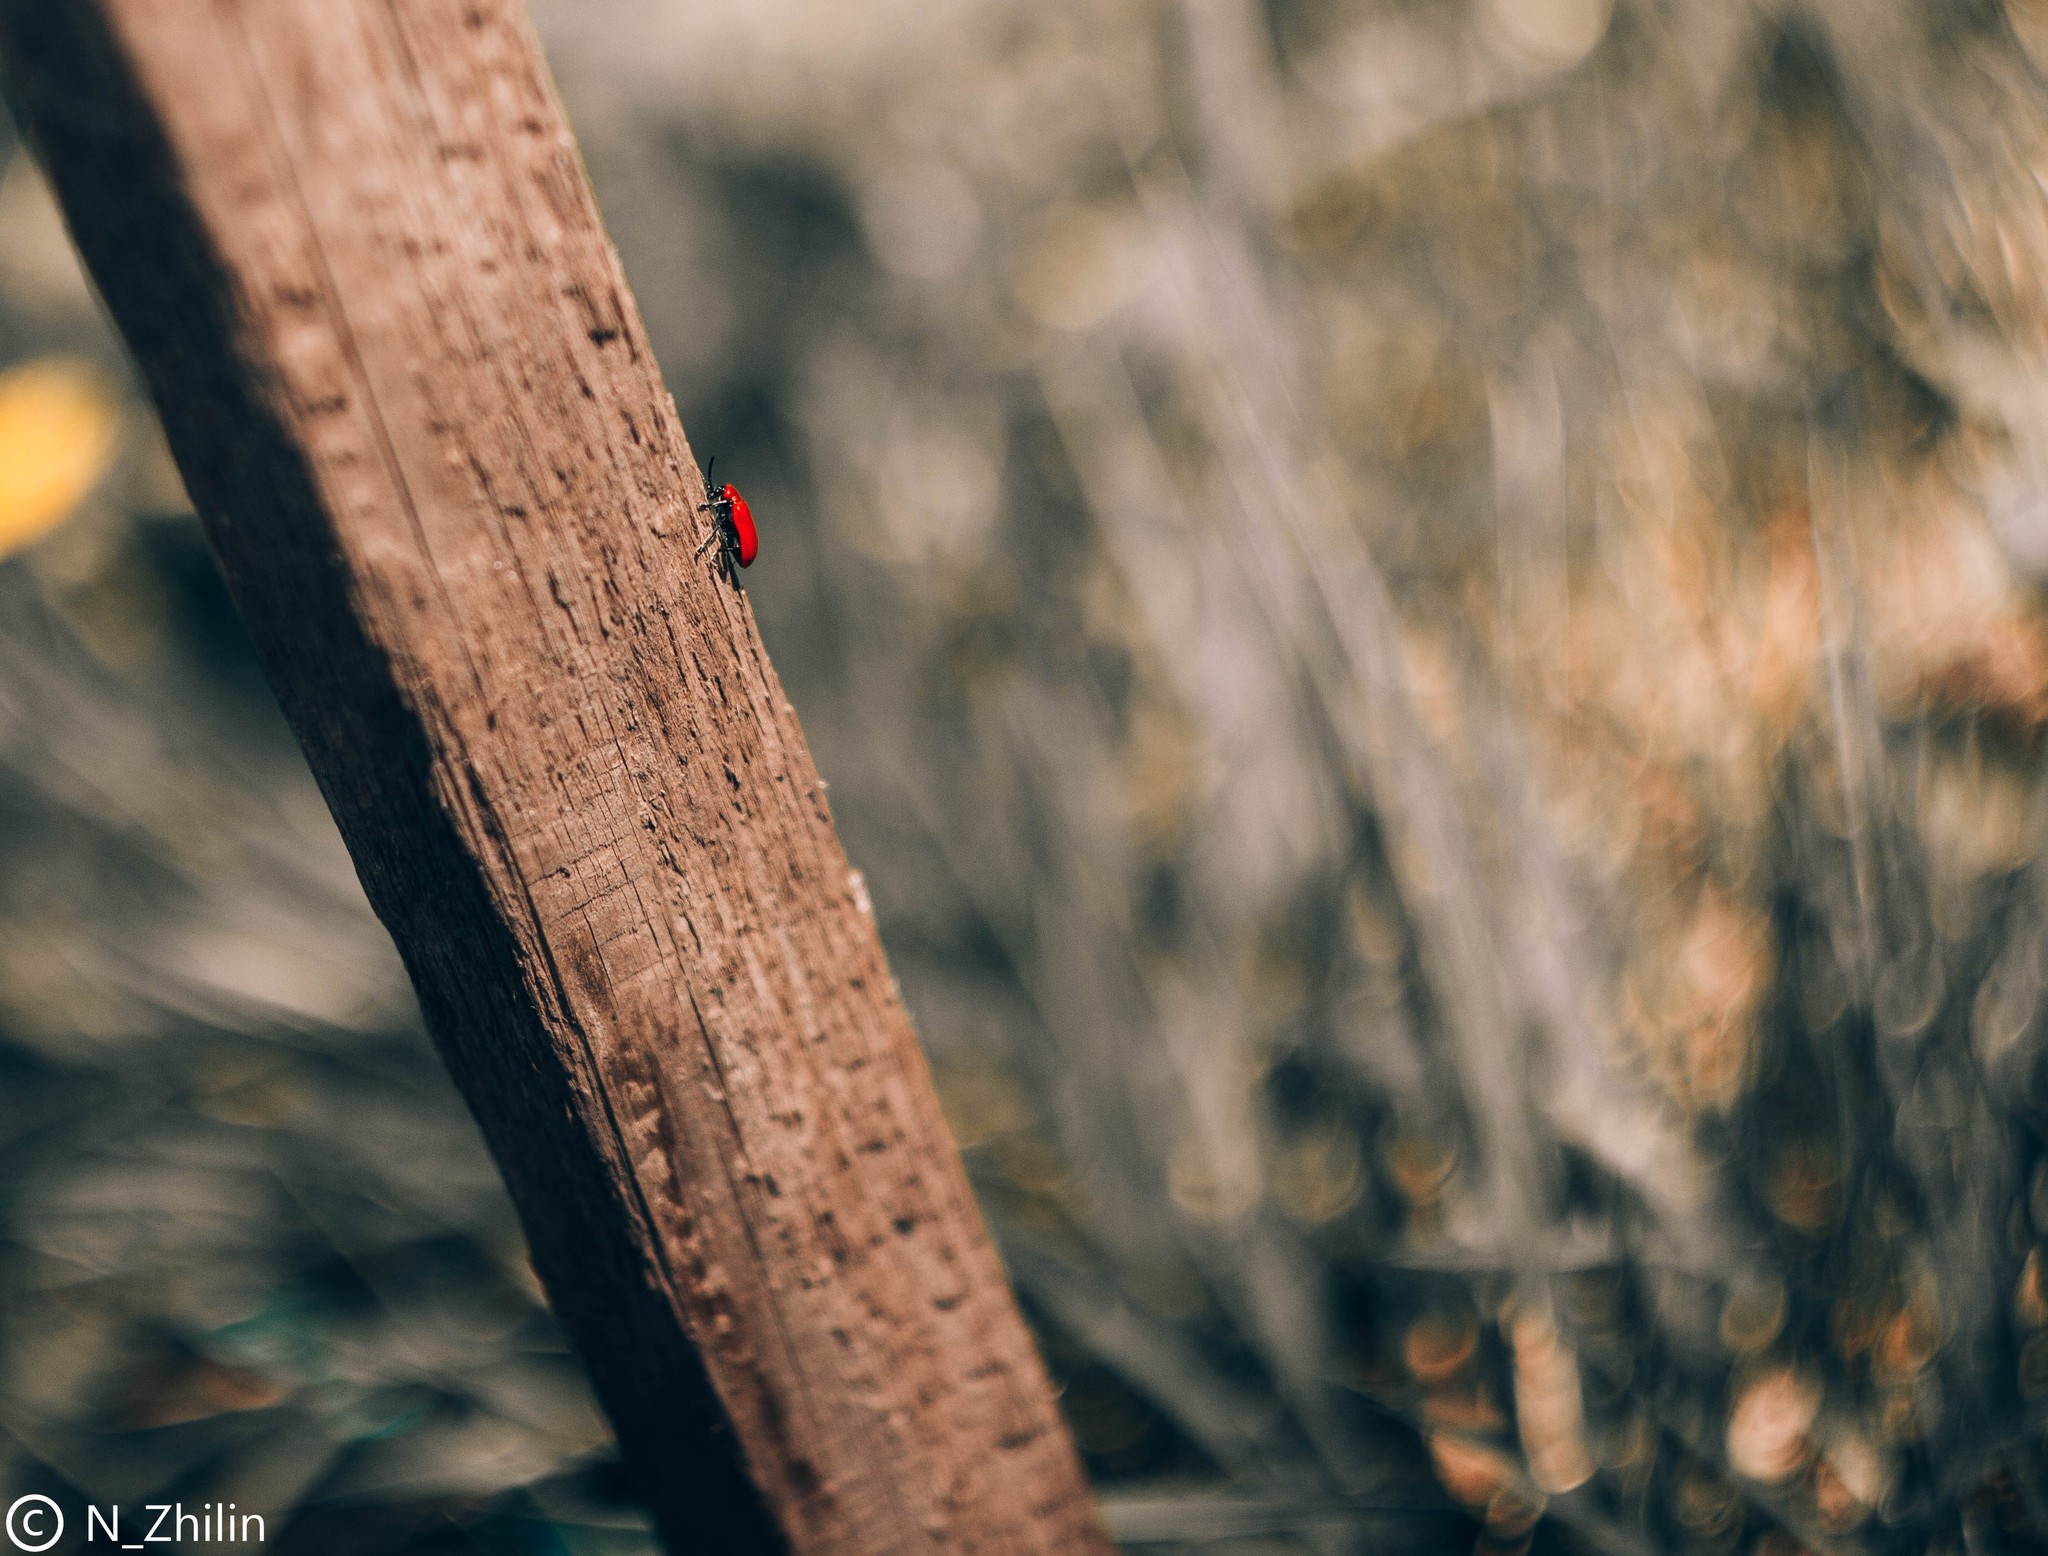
(707, 472)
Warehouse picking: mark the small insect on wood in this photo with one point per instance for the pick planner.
(732, 524)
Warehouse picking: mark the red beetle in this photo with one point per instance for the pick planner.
(732, 523)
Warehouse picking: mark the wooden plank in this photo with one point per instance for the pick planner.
(355, 253)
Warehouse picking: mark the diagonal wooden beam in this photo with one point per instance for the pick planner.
(355, 253)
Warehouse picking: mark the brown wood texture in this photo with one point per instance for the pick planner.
(354, 250)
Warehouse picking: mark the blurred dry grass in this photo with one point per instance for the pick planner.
(1427, 620)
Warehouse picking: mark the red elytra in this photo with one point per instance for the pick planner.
(745, 540)
(732, 523)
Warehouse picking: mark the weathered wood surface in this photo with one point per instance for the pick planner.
(355, 253)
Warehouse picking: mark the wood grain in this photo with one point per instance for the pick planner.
(357, 258)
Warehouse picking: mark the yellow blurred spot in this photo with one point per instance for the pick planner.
(1084, 263)
(1767, 1428)
(1422, 1167)
(1805, 1184)
(1469, 1472)
(2030, 1303)
(1319, 1176)
(1913, 1335)
(2029, 21)
(58, 427)
(1549, 1408)
(1214, 1188)
(1439, 1345)
(1544, 35)
(1848, 1482)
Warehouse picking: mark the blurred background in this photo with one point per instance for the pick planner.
(1426, 618)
